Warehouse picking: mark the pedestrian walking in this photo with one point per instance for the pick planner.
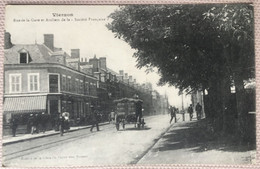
(14, 125)
(30, 124)
(37, 122)
(138, 112)
(94, 118)
(198, 111)
(61, 124)
(33, 122)
(190, 111)
(66, 116)
(173, 114)
(43, 121)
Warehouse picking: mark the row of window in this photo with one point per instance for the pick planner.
(16, 82)
(77, 85)
(68, 84)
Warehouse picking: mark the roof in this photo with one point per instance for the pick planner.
(38, 53)
(123, 100)
(112, 71)
(86, 66)
(72, 60)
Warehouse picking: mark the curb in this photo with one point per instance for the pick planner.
(135, 161)
(51, 134)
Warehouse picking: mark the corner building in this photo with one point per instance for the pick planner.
(42, 78)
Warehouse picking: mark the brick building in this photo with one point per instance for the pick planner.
(42, 78)
(113, 85)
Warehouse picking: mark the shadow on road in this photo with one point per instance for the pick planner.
(195, 136)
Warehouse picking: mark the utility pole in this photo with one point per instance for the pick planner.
(182, 107)
(182, 102)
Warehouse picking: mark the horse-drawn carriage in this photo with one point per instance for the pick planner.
(129, 111)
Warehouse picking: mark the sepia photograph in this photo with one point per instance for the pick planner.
(113, 85)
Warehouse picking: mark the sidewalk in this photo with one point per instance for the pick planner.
(24, 137)
(193, 143)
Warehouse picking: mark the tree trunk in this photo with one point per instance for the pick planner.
(241, 111)
(225, 95)
(215, 105)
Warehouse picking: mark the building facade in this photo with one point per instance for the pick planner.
(38, 78)
(43, 78)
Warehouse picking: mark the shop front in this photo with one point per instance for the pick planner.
(21, 108)
(77, 107)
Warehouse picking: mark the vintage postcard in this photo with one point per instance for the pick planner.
(113, 85)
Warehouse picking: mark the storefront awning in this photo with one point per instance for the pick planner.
(29, 104)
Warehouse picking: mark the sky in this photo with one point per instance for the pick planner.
(85, 30)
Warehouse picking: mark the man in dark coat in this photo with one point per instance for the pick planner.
(43, 121)
(139, 112)
(198, 111)
(94, 118)
(61, 124)
(173, 114)
(36, 123)
(32, 123)
(14, 125)
(190, 111)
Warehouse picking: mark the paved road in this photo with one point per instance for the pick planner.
(81, 148)
(17, 150)
(159, 143)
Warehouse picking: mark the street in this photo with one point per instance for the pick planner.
(83, 148)
(184, 142)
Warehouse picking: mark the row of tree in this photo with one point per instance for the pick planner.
(194, 47)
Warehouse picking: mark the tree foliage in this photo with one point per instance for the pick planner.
(191, 45)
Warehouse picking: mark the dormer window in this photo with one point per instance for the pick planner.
(24, 56)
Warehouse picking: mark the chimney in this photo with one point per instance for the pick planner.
(120, 78)
(49, 41)
(121, 72)
(94, 62)
(134, 80)
(75, 53)
(126, 75)
(85, 59)
(103, 62)
(8, 43)
(130, 78)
